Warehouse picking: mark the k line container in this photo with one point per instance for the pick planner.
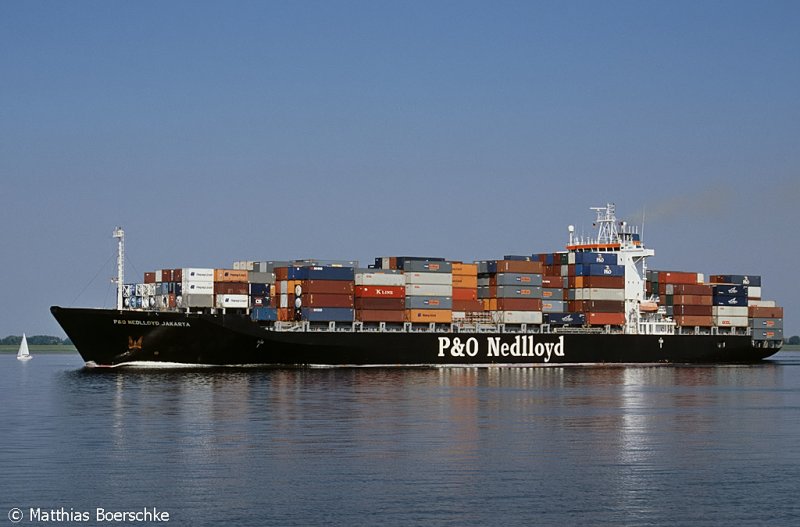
(373, 291)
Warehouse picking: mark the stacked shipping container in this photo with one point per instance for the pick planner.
(511, 290)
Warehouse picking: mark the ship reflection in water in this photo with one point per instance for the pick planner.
(462, 446)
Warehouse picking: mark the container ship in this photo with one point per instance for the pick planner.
(594, 303)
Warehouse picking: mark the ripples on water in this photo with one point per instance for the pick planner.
(462, 446)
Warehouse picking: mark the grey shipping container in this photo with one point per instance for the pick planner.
(429, 302)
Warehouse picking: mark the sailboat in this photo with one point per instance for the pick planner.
(23, 353)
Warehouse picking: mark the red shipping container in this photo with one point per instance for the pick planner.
(605, 319)
(467, 305)
(604, 282)
(166, 275)
(328, 287)
(325, 300)
(177, 275)
(691, 289)
(676, 277)
(380, 315)
(150, 278)
(231, 288)
(380, 291)
(691, 310)
(764, 312)
(281, 273)
(596, 306)
(371, 303)
(550, 281)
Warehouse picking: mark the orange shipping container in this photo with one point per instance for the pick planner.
(150, 278)
(441, 316)
(465, 280)
(464, 269)
(230, 275)
(465, 293)
(692, 300)
(519, 266)
(329, 287)
(489, 304)
(519, 304)
(690, 321)
(676, 277)
(281, 273)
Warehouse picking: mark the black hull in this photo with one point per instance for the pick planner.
(107, 337)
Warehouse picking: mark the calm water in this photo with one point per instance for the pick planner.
(555, 446)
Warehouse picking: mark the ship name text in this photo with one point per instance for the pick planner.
(161, 323)
(520, 346)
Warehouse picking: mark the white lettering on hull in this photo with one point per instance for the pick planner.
(520, 346)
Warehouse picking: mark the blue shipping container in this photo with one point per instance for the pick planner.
(264, 313)
(321, 272)
(565, 319)
(596, 258)
(259, 289)
(599, 270)
(730, 290)
(328, 314)
(733, 301)
(517, 258)
(741, 279)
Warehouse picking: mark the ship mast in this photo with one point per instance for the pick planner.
(119, 234)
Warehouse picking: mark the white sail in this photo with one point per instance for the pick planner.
(23, 353)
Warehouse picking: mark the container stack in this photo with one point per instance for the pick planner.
(730, 303)
(466, 305)
(197, 287)
(322, 293)
(596, 288)
(511, 290)
(380, 295)
(766, 320)
(555, 291)
(684, 296)
(231, 290)
(261, 288)
(429, 290)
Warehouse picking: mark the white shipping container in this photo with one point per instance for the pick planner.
(571, 258)
(284, 301)
(459, 315)
(517, 317)
(240, 301)
(429, 290)
(754, 292)
(730, 322)
(196, 274)
(150, 289)
(380, 279)
(197, 288)
(140, 290)
(429, 278)
(729, 311)
(600, 294)
(283, 288)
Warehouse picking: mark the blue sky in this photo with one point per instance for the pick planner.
(214, 132)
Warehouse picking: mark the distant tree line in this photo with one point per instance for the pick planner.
(35, 340)
(793, 341)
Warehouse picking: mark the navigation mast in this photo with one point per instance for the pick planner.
(119, 234)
